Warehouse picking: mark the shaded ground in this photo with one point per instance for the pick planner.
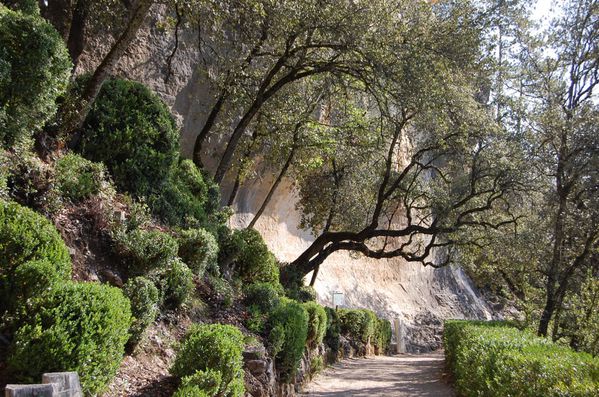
(418, 375)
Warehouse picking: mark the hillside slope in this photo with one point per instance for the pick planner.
(420, 297)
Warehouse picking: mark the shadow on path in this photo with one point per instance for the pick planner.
(403, 376)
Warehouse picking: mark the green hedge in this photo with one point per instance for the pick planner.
(317, 323)
(358, 324)
(288, 324)
(210, 354)
(27, 236)
(382, 337)
(253, 261)
(80, 327)
(34, 71)
(496, 359)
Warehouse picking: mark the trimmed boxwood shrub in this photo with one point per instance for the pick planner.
(144, 298)
(145, 250)
(288, 324)
(199, 250)
(358, 324)
(202, 383)
(254, 262)
(28, 236)
(498, 360)
(212, 348)
(264, 296)
(331, 338)
(177, 283)
(131, 131)
(80, 327)
(185, 194)
(78, 178)
(34, 71)
(317, 324)
(382, 338)
(302, 293)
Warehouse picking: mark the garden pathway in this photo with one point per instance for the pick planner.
(406, 375)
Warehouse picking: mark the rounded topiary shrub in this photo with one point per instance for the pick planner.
(359, 324)
(254, 262)
(34, 279)
(78, 178)
(209, 349)
(144, 298)
(198, 249)
(145, 250)
(317, 323)
(289, 330)
(27, 236)
(34, 71)
(186, 194)
(200, 384)
(131, 131)
(302, 293)
(264, 296)
(178, 283)
(80, 327)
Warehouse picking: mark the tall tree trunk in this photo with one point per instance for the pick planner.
(558, 242)
(199, 142)
(75, 117)
(235, 189)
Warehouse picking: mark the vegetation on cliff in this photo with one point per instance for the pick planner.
(437, 132)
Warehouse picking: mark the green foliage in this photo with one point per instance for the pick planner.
(145, 250)
(264, 296)
(199, 250)
(316, 365)
(382, 336)
(223, 289)
(303, 293)
(186, 193)
(331, 338)
(289, 330)
(131, 131)
(80, 327)
(497, 360)
(359, 324)
(78, 178)
(26, 236)
(202, 383)
(177, 283)
(317, 324)
(32, 281)
(144, 298)
(254, 262)
(34, 71)
(212, 348)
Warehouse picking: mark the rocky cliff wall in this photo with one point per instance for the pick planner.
(420, 297)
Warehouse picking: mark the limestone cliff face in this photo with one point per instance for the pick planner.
(420, 297)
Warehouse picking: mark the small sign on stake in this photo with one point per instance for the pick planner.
(338, 299)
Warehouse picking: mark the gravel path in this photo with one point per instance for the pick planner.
(398, 376)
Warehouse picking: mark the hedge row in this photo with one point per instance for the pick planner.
(365, 326)
(496, 359)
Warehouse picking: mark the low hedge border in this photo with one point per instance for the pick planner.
(496, 359)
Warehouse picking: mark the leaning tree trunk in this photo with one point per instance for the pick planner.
(77, 112)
